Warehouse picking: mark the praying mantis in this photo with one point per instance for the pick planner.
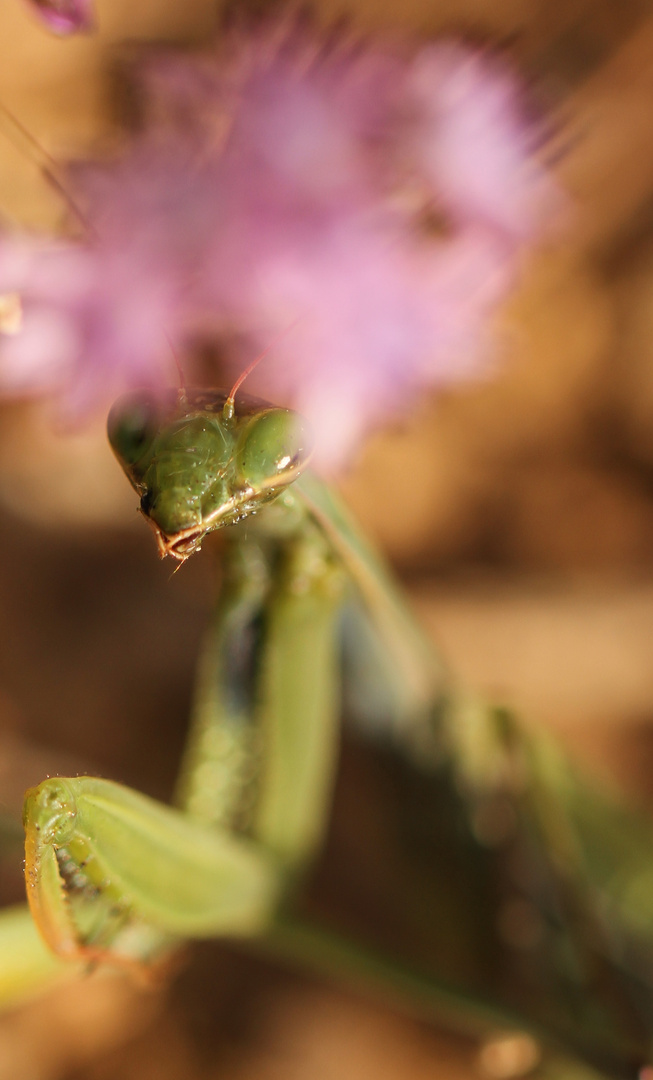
(519, 898)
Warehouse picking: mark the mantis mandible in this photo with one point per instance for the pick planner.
(114, 877)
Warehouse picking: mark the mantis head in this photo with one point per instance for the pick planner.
(198, 465)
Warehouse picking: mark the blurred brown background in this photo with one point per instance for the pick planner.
(520, 512)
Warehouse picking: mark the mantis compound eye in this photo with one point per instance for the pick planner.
(132, 426)
(51, 809)
(273, 448)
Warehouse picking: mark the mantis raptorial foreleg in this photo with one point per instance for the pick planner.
(114, 875)
(299, 686)
(265, 730)
(218, 777)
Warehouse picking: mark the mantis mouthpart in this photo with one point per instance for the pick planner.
(488, 831)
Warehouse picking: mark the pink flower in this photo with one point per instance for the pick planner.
(65, 16)
(361, 207)
(474, 142)
(100, 314)
(362, 316)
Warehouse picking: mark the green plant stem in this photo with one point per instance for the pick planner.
(334, 955)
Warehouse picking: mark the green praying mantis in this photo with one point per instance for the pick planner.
(494, 887)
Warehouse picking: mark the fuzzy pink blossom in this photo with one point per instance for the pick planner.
(361, 206)
(474, 141)
(65, 17)
(100, 314)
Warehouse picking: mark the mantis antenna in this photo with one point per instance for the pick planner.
(228, 410)
(51, 169)
(53, 174)
(180, 370)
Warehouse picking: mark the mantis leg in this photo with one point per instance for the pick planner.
(508, 860)
(300, 691)
(217, 779)
(267, 709)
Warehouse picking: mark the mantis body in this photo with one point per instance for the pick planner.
(476, 821)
